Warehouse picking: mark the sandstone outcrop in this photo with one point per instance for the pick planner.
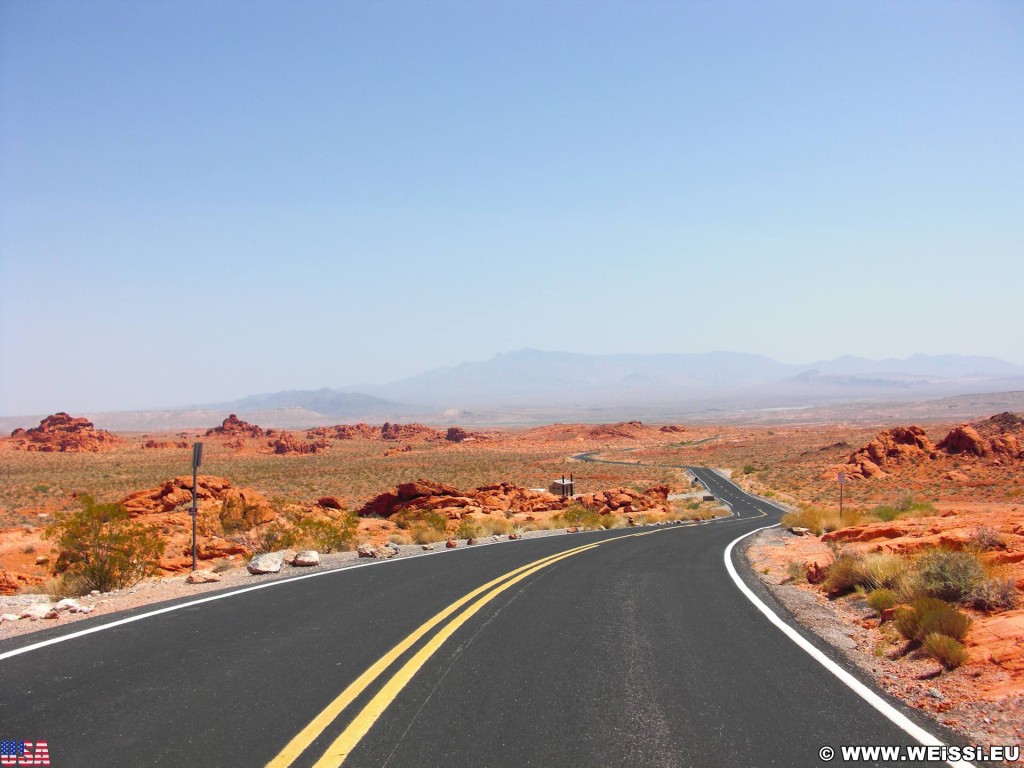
(408, 432)
(233, 426)
(287, 443)
(995, 440)
(344, 432)
(61, 433)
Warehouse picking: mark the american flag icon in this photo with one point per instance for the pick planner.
(12, 748)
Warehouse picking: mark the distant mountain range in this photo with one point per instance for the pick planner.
(532, 377)
(531, 385)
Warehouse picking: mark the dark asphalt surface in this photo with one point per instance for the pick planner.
(641, 652)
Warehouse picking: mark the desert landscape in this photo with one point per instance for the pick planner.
(381, 490)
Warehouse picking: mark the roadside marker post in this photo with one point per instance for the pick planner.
(842, 481)
(197, 459)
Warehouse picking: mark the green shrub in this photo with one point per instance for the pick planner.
(949, 575)
(101, 546)
(467, 529)
(326, 534)
(885, 513)
(944, 649)
(881, 599)
(580, 516)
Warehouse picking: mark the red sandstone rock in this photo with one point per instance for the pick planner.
(61, 433)
(232, 426)
(964, 439)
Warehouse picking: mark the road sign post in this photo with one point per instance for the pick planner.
(197, 459)
(841, 477)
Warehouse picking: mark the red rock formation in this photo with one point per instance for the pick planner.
(287, 443)
(344, 432)
(672, 429)
(232, 426)
(408, 432)
(888, 450)
(456, 434)
(61, 433)
(964, 439)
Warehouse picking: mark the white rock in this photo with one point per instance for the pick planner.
(9, 617)
(67, 604)
(95, 593)
(428, 547)
(268, 563)
(306, 558)
(364, 550)
(86, 609)
(36, 611)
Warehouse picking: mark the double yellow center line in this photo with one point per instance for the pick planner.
(364, 720)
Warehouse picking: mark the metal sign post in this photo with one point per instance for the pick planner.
(842, 481)
(197, 459)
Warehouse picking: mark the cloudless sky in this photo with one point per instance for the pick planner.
(205, 200)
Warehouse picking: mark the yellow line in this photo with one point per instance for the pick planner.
(346, 742)
(307, 735)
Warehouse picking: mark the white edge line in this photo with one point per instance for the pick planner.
(872, 698)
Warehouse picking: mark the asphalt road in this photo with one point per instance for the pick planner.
(640, 651)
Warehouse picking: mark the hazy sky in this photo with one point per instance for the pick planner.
(203, 200)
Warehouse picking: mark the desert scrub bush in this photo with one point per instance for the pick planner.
(986, 538)
(819, 520)
(995, 593)
(796, 571)
(846, 572)
(494, 526)
(467, 529)
(883, 570)
(931, 615)
(420, 533)
(326, 534)
(950, 575)
(101, 546)
(881, 599)
(948, 651)
(265, 537)
(58, 587)
(580, 516)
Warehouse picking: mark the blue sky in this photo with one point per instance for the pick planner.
(200, 201)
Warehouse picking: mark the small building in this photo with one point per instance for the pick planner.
(563, 487)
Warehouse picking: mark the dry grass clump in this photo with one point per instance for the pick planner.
(493, 525)
(820, 521)
(946, 650)
(874, 571)
(937, 627)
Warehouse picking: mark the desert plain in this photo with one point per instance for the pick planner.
(910, 488)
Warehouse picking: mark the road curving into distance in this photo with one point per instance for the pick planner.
(629, 647)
